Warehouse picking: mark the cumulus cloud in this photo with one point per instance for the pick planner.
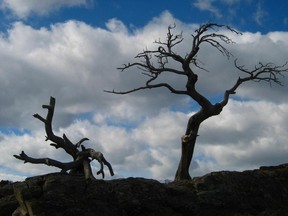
(242, 137)
(207, 5)
(23, 9)
(138, 133)
(256, 138)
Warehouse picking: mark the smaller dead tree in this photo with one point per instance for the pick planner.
(81, 158)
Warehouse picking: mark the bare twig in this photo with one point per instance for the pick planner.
(262, 72)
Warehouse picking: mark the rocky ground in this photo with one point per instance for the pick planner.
(257, 192)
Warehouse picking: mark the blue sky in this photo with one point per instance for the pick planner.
(71, 49)
(246, 15)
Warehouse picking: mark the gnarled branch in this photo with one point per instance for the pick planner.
(82, 159)
(262, 72)
(50, 162)
(58, 142)
(207, 33)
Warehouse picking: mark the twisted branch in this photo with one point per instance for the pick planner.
(166, 51)
(262, 72)
(58, 142)
(81, 159)
(50, 162)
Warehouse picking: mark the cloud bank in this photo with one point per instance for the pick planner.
(24, 9)
(138, 133)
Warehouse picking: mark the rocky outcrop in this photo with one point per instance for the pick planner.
(8, 202)
(58, 194)
(258, 192)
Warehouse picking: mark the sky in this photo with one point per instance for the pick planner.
(71, 50)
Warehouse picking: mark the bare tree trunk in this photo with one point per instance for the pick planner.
(183, 167)
(187, 150)
(206, 34)
(188, 143)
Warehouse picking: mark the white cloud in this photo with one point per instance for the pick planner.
(23, 9)
(246, 135)
(11, 177)
(207, 5)
(260, 14)
(138, 133)
(115, 25)
(240, 138)
(162, 130)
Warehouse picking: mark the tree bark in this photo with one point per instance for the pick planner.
(58, 142)
(81, 159)
(189, 139)
(187, 148)
(50, 162)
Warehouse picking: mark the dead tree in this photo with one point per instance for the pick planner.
(154, 64)
(81, 158)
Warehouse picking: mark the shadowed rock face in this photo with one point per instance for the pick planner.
(258, 192)
(8, 201)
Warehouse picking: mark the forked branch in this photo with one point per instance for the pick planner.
(58, 142)
(262, 72)
(81, 159)
(154, 63)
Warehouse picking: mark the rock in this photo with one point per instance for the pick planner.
(8, 202)
(256, 192)
(60, 194)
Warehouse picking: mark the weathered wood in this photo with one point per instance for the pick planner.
(58, 142)
(81, 159)
(50, 162)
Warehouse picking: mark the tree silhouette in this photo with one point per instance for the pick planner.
(81, 158)
(154, 64)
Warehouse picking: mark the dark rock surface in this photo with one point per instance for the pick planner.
(8, 201)
(257, 192)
